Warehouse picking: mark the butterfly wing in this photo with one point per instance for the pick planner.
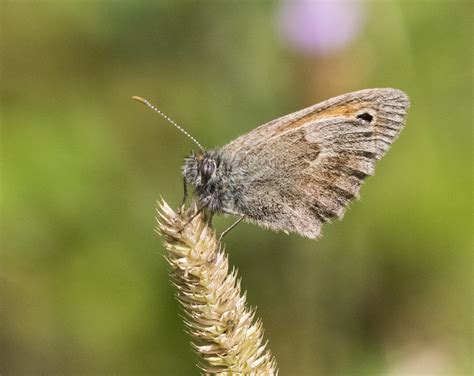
(303, 169)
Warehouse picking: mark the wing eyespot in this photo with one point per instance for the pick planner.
(365, 116)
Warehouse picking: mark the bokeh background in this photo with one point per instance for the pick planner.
(84, 285)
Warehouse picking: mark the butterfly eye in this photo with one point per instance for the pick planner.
(207, 168)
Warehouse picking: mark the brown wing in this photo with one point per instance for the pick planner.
(303, 169)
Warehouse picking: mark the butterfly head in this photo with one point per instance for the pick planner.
(209, 175)
(201, 169)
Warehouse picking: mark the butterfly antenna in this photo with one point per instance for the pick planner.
(149, 105)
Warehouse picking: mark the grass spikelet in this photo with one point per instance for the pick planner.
(225, 334)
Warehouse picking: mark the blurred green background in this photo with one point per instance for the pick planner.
(84, 286)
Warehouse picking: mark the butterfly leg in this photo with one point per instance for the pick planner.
(226, 231)
(191, 219)
(185, 192)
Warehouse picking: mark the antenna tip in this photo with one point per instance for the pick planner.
(139, 99)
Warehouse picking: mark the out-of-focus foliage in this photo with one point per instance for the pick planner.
(84, 287)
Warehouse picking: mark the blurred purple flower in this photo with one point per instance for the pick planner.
(320, 27)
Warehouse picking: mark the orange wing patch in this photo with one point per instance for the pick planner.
(328, 112)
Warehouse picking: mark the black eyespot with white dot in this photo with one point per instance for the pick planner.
(365, 116)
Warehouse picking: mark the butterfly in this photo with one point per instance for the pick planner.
(297, 172)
